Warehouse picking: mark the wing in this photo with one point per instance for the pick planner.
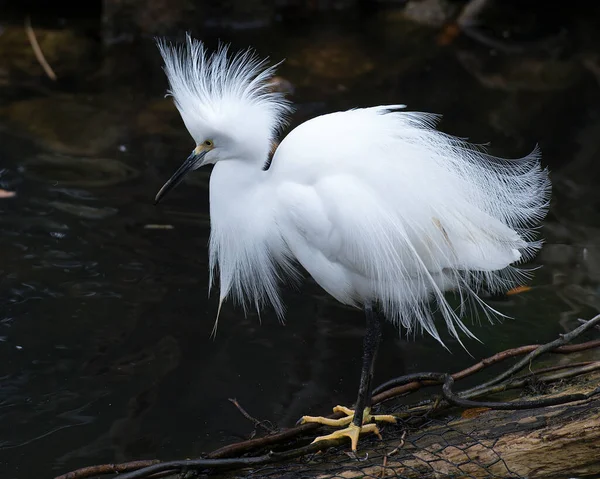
(345, 235)
(411, 210)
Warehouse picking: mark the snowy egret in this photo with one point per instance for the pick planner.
(379, 207)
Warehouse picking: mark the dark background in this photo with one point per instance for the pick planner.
(105, 353)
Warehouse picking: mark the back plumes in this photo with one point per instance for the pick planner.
(402, 213)
(219, 92)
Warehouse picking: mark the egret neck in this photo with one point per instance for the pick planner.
(242, 216)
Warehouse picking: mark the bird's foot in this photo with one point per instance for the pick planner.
(352, 431)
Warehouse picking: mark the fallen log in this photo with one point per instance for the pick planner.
(554, 441)
(552, 429)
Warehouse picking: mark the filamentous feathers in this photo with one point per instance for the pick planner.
(375, 203)
(210, 88)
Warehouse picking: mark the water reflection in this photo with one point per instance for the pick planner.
(80, 172)
(105, 350)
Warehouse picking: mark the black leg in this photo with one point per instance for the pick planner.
(370, 346)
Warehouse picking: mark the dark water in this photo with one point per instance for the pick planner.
(105, 353)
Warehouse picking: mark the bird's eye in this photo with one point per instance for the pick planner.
(208, 143)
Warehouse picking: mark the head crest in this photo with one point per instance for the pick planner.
(207, 88)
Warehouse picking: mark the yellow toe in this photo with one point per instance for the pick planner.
(352, 432)
(382, 418)
(343, 409)
(344, 421)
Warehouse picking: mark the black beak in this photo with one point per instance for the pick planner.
(193, 161)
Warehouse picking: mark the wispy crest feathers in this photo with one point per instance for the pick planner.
(205, 86)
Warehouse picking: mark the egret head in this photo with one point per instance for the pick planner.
(226, 103)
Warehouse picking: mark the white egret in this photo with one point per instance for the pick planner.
(379, 207)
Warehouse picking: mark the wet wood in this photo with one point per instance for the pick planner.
(559, 440)
(548, 442)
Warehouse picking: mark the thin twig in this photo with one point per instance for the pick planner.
(92, 471)
(244, 446)
(536, 373)
(37, 51)
(566, 373)
(561, 341)
(399, 446)
(200, 464)
(586, 320)
(469, 14)
(255, 421)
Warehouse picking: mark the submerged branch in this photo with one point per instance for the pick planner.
(37, 51)
(256, 422)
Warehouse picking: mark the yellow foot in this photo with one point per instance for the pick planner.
(352, 431)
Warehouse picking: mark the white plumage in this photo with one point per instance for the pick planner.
(376, 204)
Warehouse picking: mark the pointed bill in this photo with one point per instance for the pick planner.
(192, 162)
